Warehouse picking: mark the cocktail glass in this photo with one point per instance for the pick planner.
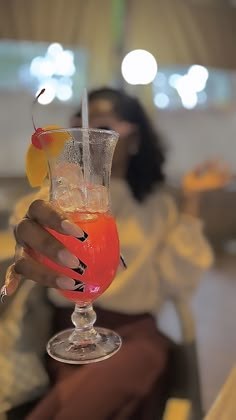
(79, 162)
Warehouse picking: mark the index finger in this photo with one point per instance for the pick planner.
(46, 215)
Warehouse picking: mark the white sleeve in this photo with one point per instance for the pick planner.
(185, 255)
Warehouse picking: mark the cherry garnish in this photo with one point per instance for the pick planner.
(34, 138)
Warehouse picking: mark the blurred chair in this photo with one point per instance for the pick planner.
(224, 407)
(183, 395)
(184, 401)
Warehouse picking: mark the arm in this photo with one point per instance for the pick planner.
(208, 176)
(190, 203)
(185, 253)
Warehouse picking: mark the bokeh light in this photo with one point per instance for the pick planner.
(173, 80)
(54, 72)
(49, 94)
(139, 67)
(161, 100)
(64, 92)
(198, 76)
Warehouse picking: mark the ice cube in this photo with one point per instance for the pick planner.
(69, 197)
(71, 172)
(97, 198)
(71, 193)
(67, 186)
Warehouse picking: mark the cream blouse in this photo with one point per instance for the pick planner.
(166, 253)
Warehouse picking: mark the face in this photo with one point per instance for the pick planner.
(101, 115)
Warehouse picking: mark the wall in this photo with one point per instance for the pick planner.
(192, 136)
(16, 128)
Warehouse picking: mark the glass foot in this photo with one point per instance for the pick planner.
(104, 345)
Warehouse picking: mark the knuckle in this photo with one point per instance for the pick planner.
(48, 278)
(20, 265)
(28, 269)
(50, 245)
(21, 228)
(35, 208)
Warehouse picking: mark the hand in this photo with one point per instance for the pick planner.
(210, 175)
(30, 233)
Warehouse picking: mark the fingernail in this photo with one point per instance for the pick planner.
(84, 237)
(71, 228)
(3, 293)
(65, 283)
(122, 262)
(81, 269)
(68, 259)
(79, 286)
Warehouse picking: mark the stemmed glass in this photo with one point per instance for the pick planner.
(79, 162)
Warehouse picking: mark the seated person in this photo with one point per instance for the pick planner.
(166, 254)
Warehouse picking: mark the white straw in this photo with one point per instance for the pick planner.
(85, 122)
(86, 151)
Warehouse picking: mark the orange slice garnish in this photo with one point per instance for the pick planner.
(36, 159)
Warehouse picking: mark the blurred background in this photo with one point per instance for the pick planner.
(179, 57)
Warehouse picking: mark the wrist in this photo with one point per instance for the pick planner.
(190, 203)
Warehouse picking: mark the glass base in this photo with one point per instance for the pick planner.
(106, 344)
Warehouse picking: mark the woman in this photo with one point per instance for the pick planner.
(165, 251)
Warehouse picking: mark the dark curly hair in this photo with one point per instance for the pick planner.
(145, 168)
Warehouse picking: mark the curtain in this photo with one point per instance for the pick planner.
(183, 32)
(76, 23)
(177, 32)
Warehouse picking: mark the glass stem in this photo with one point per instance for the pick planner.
(83, 319)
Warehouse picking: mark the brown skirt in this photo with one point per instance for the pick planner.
(129, 385)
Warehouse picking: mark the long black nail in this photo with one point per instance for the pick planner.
(83, 238)
(81, 269)
(122, 260)
(79, 286)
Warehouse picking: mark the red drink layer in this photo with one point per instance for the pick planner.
(99, 253)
